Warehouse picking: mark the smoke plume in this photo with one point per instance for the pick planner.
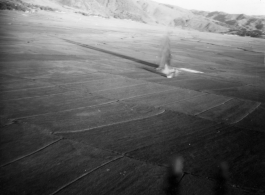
(165, 59)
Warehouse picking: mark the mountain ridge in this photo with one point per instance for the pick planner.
(147, 11)
(235, 20)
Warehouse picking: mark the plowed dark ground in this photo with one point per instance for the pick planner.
(83, 111)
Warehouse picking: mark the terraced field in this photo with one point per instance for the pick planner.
(83, 110)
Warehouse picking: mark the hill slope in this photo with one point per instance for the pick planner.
(139, 10)
(235, 21)
(150, 12)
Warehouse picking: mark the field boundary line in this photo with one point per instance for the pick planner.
(34, 152)
(85, 174)
(20, 118)
(214, 106)
(121, 122)
(248, 113)
(118, 77)
(172, 80)
(230, 46)
(41, 95)
(48, 86)
(127, 154)
(61, 85)
(204, 94)
(70, 91)
(209, 90)
(10, 75)
(132, 97)
(93, 94)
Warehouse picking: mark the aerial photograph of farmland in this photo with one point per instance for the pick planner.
(132, 97)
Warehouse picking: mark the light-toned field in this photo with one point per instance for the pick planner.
(84, 112)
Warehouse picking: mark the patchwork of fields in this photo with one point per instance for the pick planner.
(84, 112)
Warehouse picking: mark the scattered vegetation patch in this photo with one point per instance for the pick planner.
(82, 13)
(220, 18)
(259, 26)
(244, 32)
(231, 22)
(90, 14)
(250, 33)
(128, 16)
(22, 6)
(251, 21)
(179, 22)
(13, 5)
(46, 8)
(240, 17)
(212, 14)
(169, 6)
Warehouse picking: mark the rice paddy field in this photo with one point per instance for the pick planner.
(83, 110)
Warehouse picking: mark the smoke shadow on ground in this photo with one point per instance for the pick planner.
(153, 71)
(113, 53)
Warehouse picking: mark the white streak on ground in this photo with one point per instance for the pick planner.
(190, 70)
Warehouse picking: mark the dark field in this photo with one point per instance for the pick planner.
(84, 112)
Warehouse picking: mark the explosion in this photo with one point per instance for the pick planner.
(165, 60)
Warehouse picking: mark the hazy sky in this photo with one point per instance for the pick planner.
(249, 7)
